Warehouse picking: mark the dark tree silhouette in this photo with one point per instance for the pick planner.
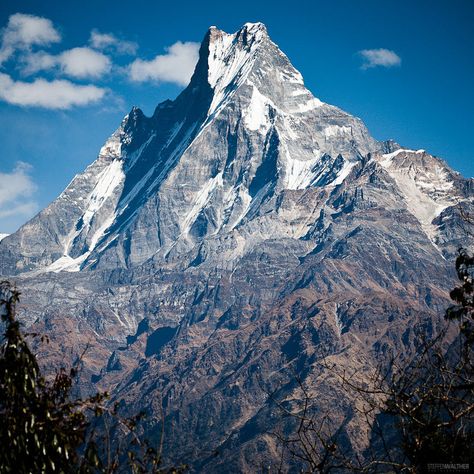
(463, 295)
(44, 430)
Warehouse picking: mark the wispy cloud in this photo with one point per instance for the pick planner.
(32, 63)
(176, 66)
(80, 63)
(109, 42)
(58, 94)
(379, 57)
(24, 31)
(16, 192)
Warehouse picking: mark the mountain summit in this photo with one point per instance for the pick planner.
(245, 128)
(243, 232)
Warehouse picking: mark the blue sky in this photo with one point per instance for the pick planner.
(68, 78)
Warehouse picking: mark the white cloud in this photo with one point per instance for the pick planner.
(40, 61)
(16, 191)
(84, 62)
(108, 41)
(80, 63)
(24, 31)
(379, 57)
(58, 94)
(176, 66)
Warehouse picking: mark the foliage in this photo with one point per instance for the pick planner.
(463, 295)
(43, 430)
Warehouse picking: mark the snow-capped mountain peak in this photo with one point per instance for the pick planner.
(230, 53)
(205, 167)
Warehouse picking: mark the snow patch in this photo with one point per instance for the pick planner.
(174, 131)
(344, 173)
(65, 264)
(388, 156)
(2, 236)
(299, 92)
(337, 131)
(107, 181)
(256, 117)
(422, 189)
(245, 200)
(218, 50)
(299, 173)
(292, 76)
(311, 104)
(202, 199)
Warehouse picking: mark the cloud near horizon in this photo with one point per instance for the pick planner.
(176, 66)
(57, 94)
(16, 192)
(379, 57)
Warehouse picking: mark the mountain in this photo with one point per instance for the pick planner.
(244, 232)
(148, 192)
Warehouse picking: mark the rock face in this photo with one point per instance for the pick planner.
(244, 229)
